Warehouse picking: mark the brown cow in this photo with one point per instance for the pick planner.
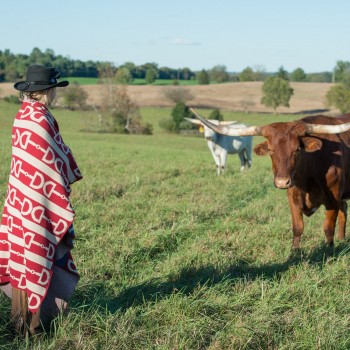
(311, 159)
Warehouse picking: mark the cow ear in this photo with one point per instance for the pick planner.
(312, 144)
(261, 149)
(344, 136)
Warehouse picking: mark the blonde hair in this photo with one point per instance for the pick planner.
(45, 97)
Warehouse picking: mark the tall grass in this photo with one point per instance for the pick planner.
(172, 256)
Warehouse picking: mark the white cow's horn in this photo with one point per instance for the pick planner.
(194, 121)
(327, 129)
(227, 130)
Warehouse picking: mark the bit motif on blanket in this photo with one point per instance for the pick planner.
(37, 212)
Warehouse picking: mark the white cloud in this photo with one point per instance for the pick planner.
(183, 42)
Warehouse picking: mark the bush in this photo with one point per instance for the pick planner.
(123, 76)
(179, 113)
(127, 120)
(74, 97)
(177, 121)
(168, 124)
(276, 92)
(151, 76)
(12, 99)
(203, 77)
(339, 97)
(216, 115)
(177, 94)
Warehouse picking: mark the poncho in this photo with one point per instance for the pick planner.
(37, 212)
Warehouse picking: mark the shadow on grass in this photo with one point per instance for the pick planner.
(188, 279)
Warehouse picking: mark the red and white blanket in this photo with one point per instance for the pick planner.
(37, 211)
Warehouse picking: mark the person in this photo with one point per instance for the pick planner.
(36, 266)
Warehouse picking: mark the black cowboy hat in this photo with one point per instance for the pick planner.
(40, 78)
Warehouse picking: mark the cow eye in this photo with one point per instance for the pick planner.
(297, 151)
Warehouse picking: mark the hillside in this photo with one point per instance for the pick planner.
(307, 98)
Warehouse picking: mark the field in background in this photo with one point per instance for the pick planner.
(173, 257)
(235, 97)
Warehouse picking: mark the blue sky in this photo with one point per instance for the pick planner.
(199, 34)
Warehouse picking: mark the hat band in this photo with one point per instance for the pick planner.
(52, 81)
(42, 82)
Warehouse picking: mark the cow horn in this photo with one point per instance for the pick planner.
(227, 130)
(224, 122)
(194, 121)
(327, 129)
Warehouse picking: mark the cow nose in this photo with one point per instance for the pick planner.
(283, 182)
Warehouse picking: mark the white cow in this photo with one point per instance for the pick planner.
(221, 145)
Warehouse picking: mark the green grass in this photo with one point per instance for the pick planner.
(173, 257)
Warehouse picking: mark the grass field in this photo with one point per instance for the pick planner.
(173, 257)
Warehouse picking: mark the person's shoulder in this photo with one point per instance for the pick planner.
(33, 111)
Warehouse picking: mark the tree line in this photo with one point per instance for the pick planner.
(124, 113)
(14, 66)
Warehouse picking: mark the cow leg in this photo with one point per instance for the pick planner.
(342, 218)
(242, 159)
(295, 204)
(248, 158)
(298, 227)
(329, 225)
(222, 160)
(217, 163)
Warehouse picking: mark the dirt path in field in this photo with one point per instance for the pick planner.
(307, 98)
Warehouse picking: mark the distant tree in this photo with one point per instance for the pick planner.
(276, 92)
(340, 70)
(203, 77)
(177, 94)
(323, 77)
(216, 115)
(118, 113)
(123, 76)
(126, 117)
(8, 66)
(282, 73)
(339, 97)
(150, 66)
(106, 72)
(346, 79)
(178, 114)
(298, 75)
(36, 56)
(136, 72)
(74, 97)
(186, 73)
(123, 111)
(219, 74)
(259, 72)
(166, 73)
(11, 73)
(247, 74)
(151, 76)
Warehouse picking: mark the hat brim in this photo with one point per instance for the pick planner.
(23, 86)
